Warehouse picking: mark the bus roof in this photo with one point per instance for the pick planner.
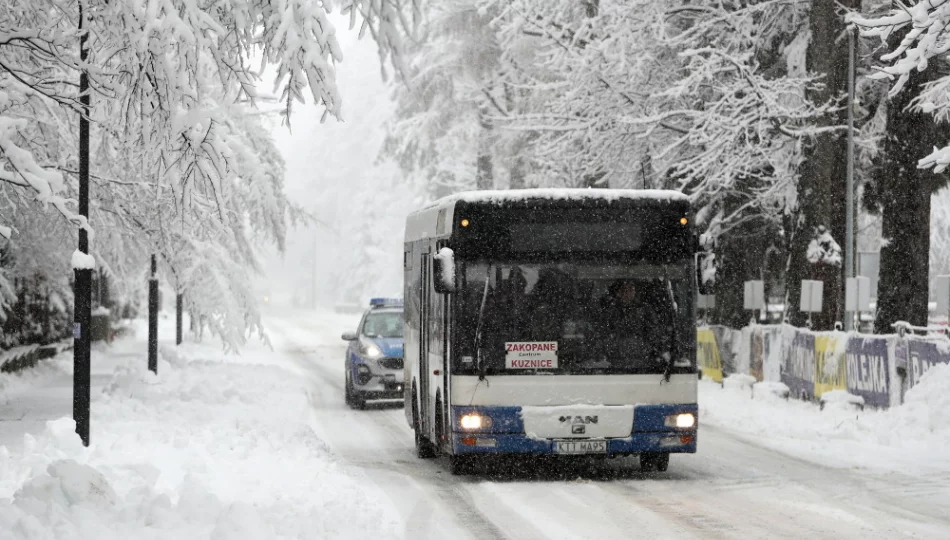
(424, 222)
(561, 194)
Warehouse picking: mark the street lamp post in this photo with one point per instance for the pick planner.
(849, 240)
(82, 314)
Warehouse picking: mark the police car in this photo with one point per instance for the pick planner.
(374, 360)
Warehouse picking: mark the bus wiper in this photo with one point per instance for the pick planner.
(478, 328)
(673, 352)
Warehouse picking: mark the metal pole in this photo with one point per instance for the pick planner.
(178, 317)
(849, 250)
(82, 315)
(313, 275)
(153, 318)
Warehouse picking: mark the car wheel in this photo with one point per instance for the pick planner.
(352, 395)
(347, 387)
(440, 437)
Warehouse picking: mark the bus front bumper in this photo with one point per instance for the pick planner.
(683, 442)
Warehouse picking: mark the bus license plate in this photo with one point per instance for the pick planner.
(580, 447)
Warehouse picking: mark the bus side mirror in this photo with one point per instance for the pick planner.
(444, 271)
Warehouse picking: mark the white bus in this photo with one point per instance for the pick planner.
(552, 321)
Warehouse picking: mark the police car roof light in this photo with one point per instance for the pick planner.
(380, 302)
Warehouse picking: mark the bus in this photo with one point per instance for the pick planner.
(552, 322)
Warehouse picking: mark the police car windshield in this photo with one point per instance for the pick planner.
(387, 324)
(574, 318)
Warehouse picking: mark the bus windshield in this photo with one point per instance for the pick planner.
(572, 318)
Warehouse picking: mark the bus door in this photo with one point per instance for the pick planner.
(425, 285)
(444, 317)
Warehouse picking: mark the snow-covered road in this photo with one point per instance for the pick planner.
(260, 445)
(735, 486)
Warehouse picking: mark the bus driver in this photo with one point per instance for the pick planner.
(628, 315)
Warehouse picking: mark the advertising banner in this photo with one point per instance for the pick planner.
(707, 353)
(923, 354)
(724, 335)
(798, 370)
(830, 367)
(757, 353)
(773, 357)
(868, 370)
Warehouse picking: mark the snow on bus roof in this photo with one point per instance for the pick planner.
(512, 195)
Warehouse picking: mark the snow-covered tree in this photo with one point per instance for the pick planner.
(179, 167)
(913, 157)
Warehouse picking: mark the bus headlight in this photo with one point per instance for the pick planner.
(473, 422)
(681, 421)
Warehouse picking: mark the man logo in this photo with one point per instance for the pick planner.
(578, 429)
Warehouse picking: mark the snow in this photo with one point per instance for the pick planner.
(541, 421)
(841, 435)
(214, 446)
(83, 261)
(261, 446)
(770, 388)
(100, 311)
(824, 249)
(926, 410)
(739, 381)
(447, 256)
(561, 194)
(841, 398)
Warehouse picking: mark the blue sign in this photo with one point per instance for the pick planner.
(923, 355)
(868, 370)
(381, 302)
(798, 369)
(77, 330)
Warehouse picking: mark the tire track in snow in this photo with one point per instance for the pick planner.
(435, 497)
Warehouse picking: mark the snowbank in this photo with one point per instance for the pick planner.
(739, 381)
(211, 447)
(912, 437)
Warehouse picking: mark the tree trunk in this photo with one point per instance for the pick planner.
(484, 173)
(740, 256)
(822, 187)
(904, 200)
(179, 305)
(517, 173)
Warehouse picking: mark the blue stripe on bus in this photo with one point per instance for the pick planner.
(520, 444)
(653, 417)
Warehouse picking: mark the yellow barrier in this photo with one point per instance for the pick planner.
(707, 353)
(830, 366)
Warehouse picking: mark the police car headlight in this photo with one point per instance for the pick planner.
(681, 421)
(474, 421)
(370, 350)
